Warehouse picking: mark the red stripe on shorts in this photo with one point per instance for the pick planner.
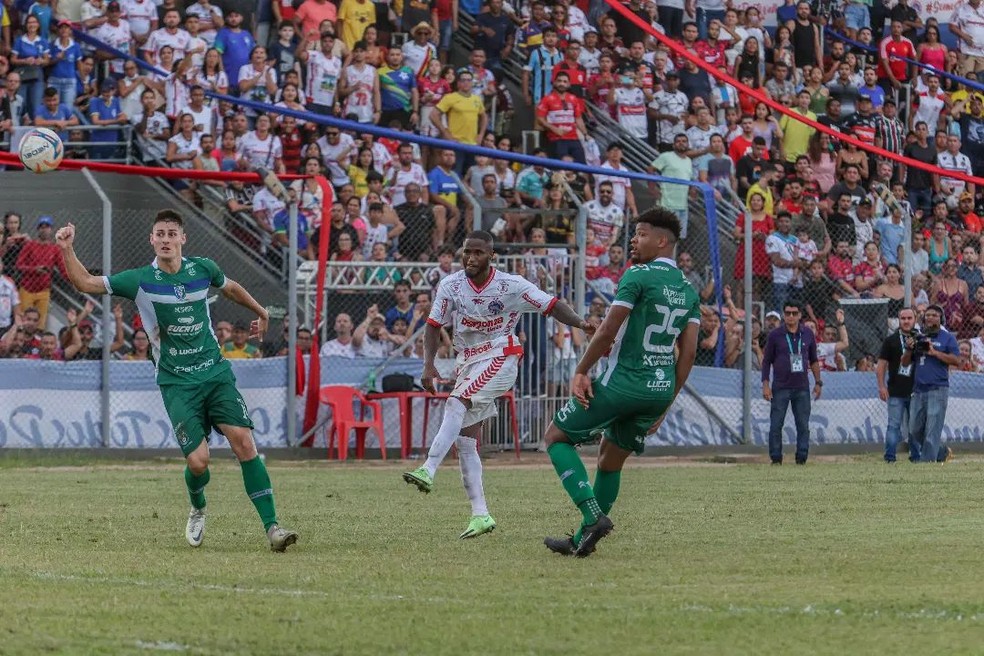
(484, 378)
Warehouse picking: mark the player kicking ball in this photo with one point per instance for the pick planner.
(485, 305)
(655, 311)
(197, 383)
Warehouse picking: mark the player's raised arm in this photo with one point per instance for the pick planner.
(78, 275)
(565, 314)
(238, 294)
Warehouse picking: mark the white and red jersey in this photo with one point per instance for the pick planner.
(179, 41)
(605, 220)
(630, 107)
(620, 184)
(359, 101)
(140, 14)
(929, 108)
(119, 36)
(485, 317)
(561, 112)
(206, 20)
(323, 72)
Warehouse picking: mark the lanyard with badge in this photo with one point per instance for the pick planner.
(904, 370)
(795, 355)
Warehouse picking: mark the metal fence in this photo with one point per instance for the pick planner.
(83, 142)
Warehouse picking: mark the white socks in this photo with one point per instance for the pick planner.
(471, 473)
(454, 417)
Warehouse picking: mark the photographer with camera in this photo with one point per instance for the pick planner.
(931, 351)
(896, 388)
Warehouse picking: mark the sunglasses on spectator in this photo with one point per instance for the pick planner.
(791, 313)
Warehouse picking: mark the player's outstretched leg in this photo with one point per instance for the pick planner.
(258, 486)
(470, 464)
(195, 529)
(454, 417)
(574, 477)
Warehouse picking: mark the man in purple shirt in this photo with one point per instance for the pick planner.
(789, 349)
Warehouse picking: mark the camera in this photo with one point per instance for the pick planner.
(922, 340)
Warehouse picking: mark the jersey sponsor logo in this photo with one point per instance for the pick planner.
(202, 366)
(478, 301)
(478, 350)
(188, 351)
(659, 385)
(181, 435)
(529, 299)
(657, 360)
(496, 306)
(186, 319)
(488, 326)
(674, 297)
(192, 329)
(182, 309)
(179, 291)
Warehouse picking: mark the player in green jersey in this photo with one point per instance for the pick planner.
(651, 330)
(197, 383)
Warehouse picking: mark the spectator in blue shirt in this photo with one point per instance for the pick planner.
(789, 350)
(403, 308)
(55, 115)
(65, 52)
(235, 45)
(30, 54)
(42, 9)
(932, 357)
(104, 110)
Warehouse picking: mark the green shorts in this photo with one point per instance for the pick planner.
(622, 420)
(195, 410)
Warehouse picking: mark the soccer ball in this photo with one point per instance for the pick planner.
(41, 150)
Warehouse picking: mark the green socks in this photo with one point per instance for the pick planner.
(606, 491)
(196, 487)
(260, 491)
(574, 477)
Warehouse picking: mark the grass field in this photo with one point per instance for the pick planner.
(834, 558)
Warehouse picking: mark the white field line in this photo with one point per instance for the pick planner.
(810, 610)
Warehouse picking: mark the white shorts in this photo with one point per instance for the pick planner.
(482, 382)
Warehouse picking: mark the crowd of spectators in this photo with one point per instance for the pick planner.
(828, 220)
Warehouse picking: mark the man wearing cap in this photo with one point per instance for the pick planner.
(239, 348)
(418, 52)
(37, 262)
(116, 33)
(932, 355)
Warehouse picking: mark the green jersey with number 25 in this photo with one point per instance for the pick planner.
(174, 311)
(662, 303)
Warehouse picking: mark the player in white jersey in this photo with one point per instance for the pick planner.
(484, 305)
(359, 87)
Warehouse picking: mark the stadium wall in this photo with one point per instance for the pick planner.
(59, 407)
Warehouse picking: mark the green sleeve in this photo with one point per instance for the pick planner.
(215, 275)
(630, 288)
(124, 283)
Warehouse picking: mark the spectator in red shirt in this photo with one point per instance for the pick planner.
(576, 73)
(893, 72)
(37, 262)
(559, 114)
(840, 268)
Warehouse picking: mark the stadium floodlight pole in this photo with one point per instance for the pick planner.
(107, 304)
(746, 393)
(277, 188)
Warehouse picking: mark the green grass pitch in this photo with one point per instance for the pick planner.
(845, 557)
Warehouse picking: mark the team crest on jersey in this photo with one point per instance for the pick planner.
(179, 292)
(496, 306)
(503, 286)
(157, 274)
(181, 434)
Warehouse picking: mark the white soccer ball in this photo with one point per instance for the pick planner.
(41, 150)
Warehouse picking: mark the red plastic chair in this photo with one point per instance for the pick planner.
(341, 398)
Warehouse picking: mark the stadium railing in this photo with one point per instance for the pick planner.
(123, 147)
